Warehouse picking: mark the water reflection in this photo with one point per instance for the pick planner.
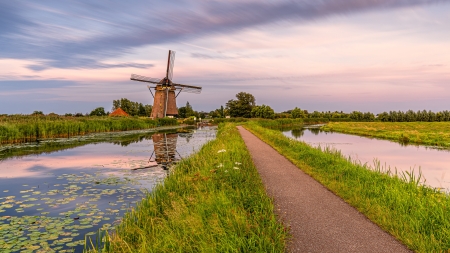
(433, 163)
(165, 148)
(80, 185)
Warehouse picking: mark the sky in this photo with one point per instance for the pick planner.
(325, 55)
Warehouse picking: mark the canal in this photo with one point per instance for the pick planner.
(56, 192)
(433, 163)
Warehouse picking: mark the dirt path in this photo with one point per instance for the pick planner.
(319, 221)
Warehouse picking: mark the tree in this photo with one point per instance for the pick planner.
(297, 113)
(263, 111)
(132, 108)
(186, 111)
(99, 111)
(242, 106)
(37, 113)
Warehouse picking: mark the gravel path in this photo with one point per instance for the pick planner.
(319, 221)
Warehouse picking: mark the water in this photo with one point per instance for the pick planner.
(54, 193)
(434, 163)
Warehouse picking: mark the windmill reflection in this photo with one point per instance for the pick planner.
(165, 149)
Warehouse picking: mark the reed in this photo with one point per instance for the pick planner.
(21, 128)
(213, 201)
(426, 133)
(415, 214)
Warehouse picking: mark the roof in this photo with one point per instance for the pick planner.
(119, 112)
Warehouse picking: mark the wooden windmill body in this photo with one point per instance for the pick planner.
(164, 99)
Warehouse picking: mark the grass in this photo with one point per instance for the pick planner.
(415, 214)
(426, 133)
(213, 201)
(19, 129)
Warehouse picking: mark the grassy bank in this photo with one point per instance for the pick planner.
(213, 201)
(20, 129)
(427, 133)
(416, 215)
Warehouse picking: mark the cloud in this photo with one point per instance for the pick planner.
(83, 33)
(87, 64)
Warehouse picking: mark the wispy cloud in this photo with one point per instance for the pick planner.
(83, 33)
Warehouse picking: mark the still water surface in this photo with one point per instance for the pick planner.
(433, 163)
(54, 193)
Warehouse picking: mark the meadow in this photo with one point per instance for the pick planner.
(417, 215)
(213, 201)
(426, 133)
(25, 128)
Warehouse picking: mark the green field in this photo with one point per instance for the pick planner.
(213, 201)
(19, 129)
(415, 214)
(426, 133)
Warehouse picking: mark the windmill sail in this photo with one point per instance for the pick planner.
(139, 78)
(170, 63)
(188, 88)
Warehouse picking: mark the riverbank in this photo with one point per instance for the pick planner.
(21, 129)
(424, 133)
(414, 214)
(213, 201)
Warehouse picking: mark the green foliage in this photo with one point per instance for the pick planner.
(37, 113)
(359, 116)
(298, 113)
(411, 116)
(186, 111)
(224, 120)
(214, 201)
(242, 106)
(416, 215)
(263, 111)
(428, 133)
(132, 108)
(218, 113)
(22, 128)
(99, 111)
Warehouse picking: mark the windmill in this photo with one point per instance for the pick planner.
(164, 99)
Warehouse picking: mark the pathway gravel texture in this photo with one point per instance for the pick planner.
(319, 221)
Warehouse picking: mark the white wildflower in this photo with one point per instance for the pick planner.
(237, 163)
(236, 168)
(220, 166)
(222, 150)
(226, 171)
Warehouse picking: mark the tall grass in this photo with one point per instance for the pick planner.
(428, 133)
(213, 201)
(17, 129)
(415, 214)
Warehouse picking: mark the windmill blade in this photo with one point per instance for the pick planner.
(139, 78)
(170, 63)
(188, 88)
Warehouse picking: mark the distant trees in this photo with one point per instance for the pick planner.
(410, 116)
(263, 111)
(242, 106)
(297, 113)
(37, 113)
(218, 113)
(99, 111)
(186, 111)
(360, 116)
(132, 108)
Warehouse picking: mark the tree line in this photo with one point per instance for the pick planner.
(245, 106)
